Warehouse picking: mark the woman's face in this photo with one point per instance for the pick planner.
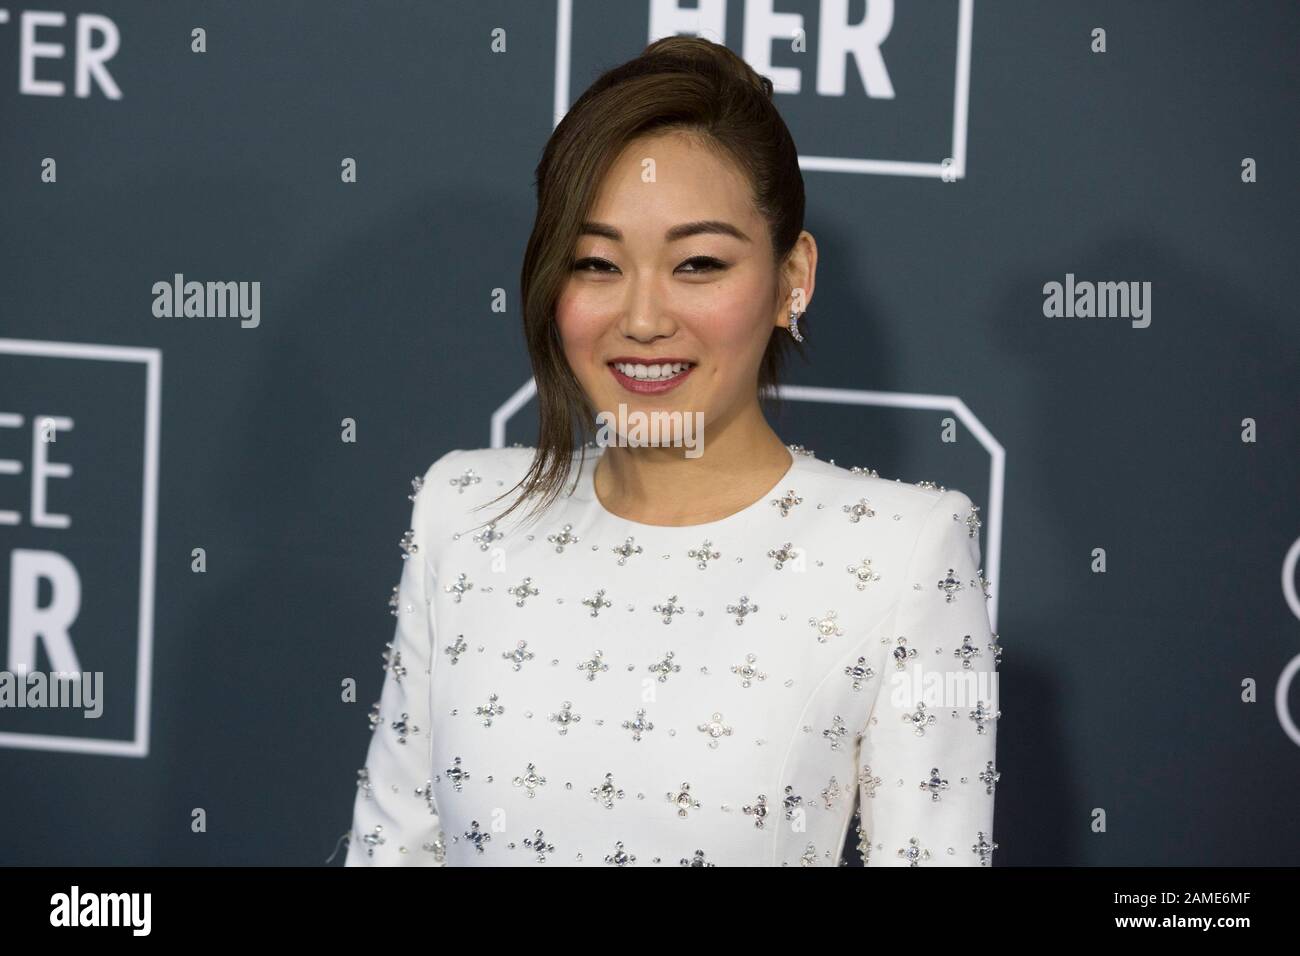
(674, 262)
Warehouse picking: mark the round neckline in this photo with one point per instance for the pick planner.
(588, 491)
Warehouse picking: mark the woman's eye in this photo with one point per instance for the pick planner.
(695, 264)
(703, 264)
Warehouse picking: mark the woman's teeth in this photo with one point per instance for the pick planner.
(652, 373)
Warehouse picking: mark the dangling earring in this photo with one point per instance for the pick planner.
(794, 325)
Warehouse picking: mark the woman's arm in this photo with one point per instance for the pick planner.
(394, 820)
(926, 758)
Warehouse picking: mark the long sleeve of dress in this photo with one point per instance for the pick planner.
(395, 821)
(926, 758)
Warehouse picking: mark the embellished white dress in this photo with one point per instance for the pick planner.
(592, 691)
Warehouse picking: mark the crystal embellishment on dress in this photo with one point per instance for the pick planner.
(919, 719)
(416, 484)
(984, 849)
(934, 785)
(607, 793)
(537, 843)
(456, 648)
(373, 839)
(476, 837)
(696, 860)
(638, 726)
(426, 793)
(683, 800)
(864, 574)
(456, 775)
(520, 654)
(488, 535)
(902, 654)
(596, 602)
(747, 671)
(715, 728)
(593, 666)
(465, 480)
(564, 537)
(742, 609)
(826, 627)
(530, 779)
(966, 653)
(990, 777)
(972, 520)
(462, 585)
(662, 668)
(703, 555)
(787, 552)
(950, 586)
(669, 609)
(405, 729)
(626, 550)
(758, 810)
(407, 544)
(791, 802)
(619, 857)
(913, 852)
(836, 732)
(856, 512)
(393, 663)
(489, 710)
(867, 781)
(983, 716)
(859, 672)
(565, 717)
(787, 502)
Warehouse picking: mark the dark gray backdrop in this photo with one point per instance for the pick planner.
(1122, 690)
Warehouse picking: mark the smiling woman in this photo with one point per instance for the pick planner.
(669, 231)
(701, 659)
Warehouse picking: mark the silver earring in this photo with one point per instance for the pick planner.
(794, 325)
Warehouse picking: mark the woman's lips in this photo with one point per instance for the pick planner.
(642, 387)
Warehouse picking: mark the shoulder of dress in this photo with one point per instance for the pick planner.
(458, 493)
(907, 498)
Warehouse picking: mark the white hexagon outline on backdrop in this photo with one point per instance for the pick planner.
(852, 396)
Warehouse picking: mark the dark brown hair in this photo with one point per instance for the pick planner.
(677, 83)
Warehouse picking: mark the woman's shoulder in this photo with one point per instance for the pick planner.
(448, 495)
(870, 491)
(924, 522)
(464, 469)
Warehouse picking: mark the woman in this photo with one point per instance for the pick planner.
(701, 653)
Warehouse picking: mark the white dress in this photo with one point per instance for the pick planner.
(594, 691)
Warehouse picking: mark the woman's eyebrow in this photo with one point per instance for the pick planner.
(686, 229)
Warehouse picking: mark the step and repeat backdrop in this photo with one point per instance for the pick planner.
(1057, 271)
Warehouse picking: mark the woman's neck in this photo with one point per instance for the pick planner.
(661, 485)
